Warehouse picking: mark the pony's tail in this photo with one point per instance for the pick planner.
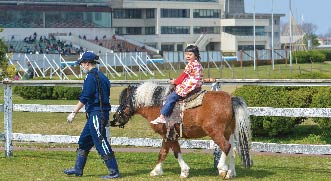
(242, 130)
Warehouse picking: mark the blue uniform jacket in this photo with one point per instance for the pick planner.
(90, 93)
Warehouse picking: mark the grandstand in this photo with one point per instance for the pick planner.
(215, 25)
(122, 31)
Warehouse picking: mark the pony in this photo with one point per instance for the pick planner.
(221, 117)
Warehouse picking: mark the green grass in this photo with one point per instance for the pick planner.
(49, 165)
(280, 71)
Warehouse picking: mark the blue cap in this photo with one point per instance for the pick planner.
(88, 56)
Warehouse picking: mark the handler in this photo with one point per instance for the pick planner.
(95, 97)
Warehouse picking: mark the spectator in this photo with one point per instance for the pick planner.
(29, 73)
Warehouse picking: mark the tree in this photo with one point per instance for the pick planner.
(3, 59)
(308, 28)
(310, 34)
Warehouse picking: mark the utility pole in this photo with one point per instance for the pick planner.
(254, 35)
(272, 35)
(290, 32)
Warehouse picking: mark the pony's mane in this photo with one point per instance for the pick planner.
(150, 94)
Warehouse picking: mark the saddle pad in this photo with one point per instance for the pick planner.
(175, 116)
(196, 101)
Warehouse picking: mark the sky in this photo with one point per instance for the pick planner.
(316, 12)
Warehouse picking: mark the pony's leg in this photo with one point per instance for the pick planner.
(222, 166)
(185, 169)
(162, 155)
(232, 169)
(224, 171)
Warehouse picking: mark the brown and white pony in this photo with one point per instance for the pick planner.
(222, 117)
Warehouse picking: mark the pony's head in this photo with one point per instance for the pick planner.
(133, 97)
(126, 107)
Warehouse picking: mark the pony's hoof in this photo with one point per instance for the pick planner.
(223, 174)
(229, 174)
(156, 173)
(184, 173)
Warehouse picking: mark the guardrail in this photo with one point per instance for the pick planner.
(8, 108)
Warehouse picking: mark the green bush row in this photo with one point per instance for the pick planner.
(43, 92)
(284, 97)
(310, 56)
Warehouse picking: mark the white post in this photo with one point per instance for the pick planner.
(8, 110)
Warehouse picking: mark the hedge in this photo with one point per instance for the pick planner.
(53, 93)
(280, 97)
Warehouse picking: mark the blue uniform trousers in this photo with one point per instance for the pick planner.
(92, 133)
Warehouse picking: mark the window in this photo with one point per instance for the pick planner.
(133, 30)
(175, 13)
(127, 14)
(150, 13)
(167, 47)
(206, 29)
(245, 30)
(150, 30)
(207, 13)
(175, 30)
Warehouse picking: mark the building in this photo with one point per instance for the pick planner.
(167, 25)
(211, 24)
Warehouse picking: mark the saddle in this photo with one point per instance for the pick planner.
(192, 100)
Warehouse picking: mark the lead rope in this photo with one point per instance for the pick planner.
(100, 101)
(182, 109)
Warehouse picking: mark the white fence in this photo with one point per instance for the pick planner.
(8, 108)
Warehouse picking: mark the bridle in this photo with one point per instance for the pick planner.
(121, 117)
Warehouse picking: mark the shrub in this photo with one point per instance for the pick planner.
(45, 92)
(311, 75)
(280, 97)
(327, 54)
(322, 99)
(309, 56)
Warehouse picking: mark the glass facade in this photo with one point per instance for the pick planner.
(206, 13)
(166, 47)
(187, 0)
(207, 29)
(150, 30)
(127, 13)
(64, 1)
(175, 13)
(43, 17)
(251, 47)
(133, 30)
(245, 30)
(175, 30)
(150, 13)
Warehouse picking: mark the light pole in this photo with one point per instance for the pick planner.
(290, 1)
(254, 54)
(272, 35)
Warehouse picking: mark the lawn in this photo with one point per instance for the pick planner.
(48, 165)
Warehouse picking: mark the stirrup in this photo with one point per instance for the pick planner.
(158, 120)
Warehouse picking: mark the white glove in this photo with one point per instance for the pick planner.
(71, 117)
